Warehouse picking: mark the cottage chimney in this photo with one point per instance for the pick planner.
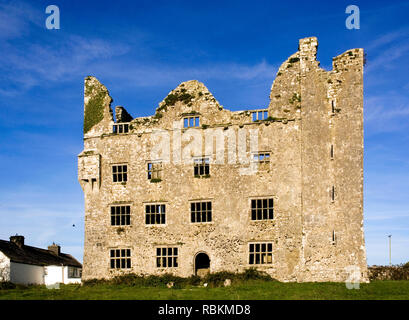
(18, 240)
(55, 249)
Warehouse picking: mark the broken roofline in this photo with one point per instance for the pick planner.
(285, 95)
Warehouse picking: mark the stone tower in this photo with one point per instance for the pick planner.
(197, 188)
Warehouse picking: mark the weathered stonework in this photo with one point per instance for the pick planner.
(314, 134)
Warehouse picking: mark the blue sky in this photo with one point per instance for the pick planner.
(143, 49)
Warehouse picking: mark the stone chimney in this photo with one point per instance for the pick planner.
(55, 249)
(18, 240)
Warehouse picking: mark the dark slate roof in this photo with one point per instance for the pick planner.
(36, 256)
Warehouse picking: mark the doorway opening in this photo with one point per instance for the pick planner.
(202, 264)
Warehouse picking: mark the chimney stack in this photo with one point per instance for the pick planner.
(17, 240)
(55, 249)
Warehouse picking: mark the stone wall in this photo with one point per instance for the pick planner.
(298, 134)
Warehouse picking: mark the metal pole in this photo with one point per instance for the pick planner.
(390, 250)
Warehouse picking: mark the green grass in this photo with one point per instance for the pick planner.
(247, 290)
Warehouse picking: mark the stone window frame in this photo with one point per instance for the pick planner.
(165, 256)
(201, 162)
(257, 253)
(201, 201)
(121, 257)
(158, 203)
(154, 170)
(192, 121)
(259, 115)
(254, 211)
(127, 215)
(121, 128)
(116, 174)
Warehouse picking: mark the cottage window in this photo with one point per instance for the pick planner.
(155, 171)
(261, 253)
(120, 258)
(201, 167)
(120, 173)
(74, 272)
(189, 122)
(166, 257)
(201, 211)
(155, 214)
(262, 209)
(120, 215)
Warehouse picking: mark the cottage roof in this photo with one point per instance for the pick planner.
(36, 256)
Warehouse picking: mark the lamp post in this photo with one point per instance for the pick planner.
(390, 250)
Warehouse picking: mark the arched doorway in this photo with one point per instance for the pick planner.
(202, 264)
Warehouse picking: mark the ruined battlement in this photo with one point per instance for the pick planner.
(198, 187)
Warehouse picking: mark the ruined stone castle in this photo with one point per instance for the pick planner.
(197, 188)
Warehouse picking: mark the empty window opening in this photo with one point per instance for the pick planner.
(166, 257)
(201, 212)
(334, 237)
(262, 209)
(120, 173)
(155, 171)
(189, 122)
(120, 128)
(201, 167)
(155, 214)
(261, 253)
(120, 215)
(120, 258)
(259, 115)
(202, 264)
(262, 157)
(333, 106)
(332, 151)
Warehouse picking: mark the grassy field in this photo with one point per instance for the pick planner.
(249, 290)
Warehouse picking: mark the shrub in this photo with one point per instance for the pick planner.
(7, 285)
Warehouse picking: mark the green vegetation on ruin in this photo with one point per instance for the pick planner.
(94, 109)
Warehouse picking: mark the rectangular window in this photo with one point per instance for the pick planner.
(120, 173)
(155, 170)
(333, 193)
(333, 106)
(120, 128)
(166, 257)
(74, 272)
(261, 253)
(201, 167)
(262, 209)
(120, 215)
(189, 122)
(262, 157)
(201, 211)
(259, 115)
(155, 214)
(332, 151)
(120, 258)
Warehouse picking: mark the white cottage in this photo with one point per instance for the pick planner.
(24, 264)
